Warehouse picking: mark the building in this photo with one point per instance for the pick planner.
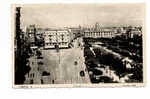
(75, 32)
(31, 34)
(56, 37)
(40, 36)
(99, 33)
(39, 33)
(134, 32)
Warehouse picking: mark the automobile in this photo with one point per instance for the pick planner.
(82, 74)
(105, 79)
(102, 79)
(40, 63)
(45, 73)
(97, 72)
(38, 53)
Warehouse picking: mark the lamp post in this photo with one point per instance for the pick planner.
(57, 46)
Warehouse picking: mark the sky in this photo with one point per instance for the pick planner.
(64, 15)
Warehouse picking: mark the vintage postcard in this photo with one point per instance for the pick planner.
(78, 45)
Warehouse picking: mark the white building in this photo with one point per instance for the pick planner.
(53, 37)
(101, 33)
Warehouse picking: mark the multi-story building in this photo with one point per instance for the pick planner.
(100, 33)
(53, 37)
(40, 36)
(31, 34)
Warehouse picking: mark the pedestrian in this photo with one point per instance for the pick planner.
(42, 81)
(53, 81)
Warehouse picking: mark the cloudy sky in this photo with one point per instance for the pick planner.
(61, 15)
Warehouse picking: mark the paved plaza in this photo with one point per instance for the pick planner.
(63, 66)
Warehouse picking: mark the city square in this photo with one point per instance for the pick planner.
(87, 50)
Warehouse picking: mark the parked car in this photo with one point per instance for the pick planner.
(82, 74)
(45, 73)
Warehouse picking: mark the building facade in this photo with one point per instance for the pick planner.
(135, 32)
(100, 33)
(53, 37)
(75, 32)
(31, 34)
